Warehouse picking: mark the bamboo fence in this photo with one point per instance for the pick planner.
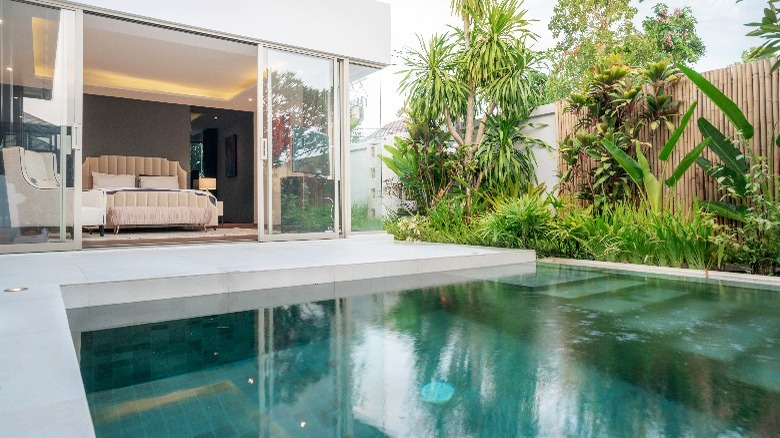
(750, 86)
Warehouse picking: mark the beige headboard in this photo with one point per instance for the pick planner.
(122, 164)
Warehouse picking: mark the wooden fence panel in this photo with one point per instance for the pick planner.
(751, 86)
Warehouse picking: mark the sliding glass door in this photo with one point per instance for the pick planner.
(301, 141)
(38, 99)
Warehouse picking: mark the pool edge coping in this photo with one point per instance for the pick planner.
(730, 277)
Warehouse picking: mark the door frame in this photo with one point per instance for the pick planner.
(264, 151)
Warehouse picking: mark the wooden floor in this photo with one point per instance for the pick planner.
(163, 236)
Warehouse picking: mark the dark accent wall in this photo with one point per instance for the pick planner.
(238, 193)
(119, 126)
(210, 152)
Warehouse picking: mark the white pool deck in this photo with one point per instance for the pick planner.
(41, 391)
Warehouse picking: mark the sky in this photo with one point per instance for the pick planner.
(720, 26)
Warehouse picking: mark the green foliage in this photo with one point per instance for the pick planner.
(640, 171)
(674, 33)
(362, 220)
(427, 170)
(587, 31)
(618, 233)
(768, 29)
(516, 223)
(506, 160)
(758, 240)
(483, 68)
(729, 108)
(613, 104)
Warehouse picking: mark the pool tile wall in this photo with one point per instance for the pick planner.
(118, 357)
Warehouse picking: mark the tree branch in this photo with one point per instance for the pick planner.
(483, 122)
(450, 127)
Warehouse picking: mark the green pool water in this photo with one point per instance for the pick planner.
(531, 350)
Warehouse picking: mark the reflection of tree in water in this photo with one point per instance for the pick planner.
(302, 347)
(521, 363)
(300, 118)
(486, 370)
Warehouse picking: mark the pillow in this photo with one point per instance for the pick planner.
(111, 181)
(159, 182)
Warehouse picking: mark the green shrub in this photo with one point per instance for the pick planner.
(516, 223)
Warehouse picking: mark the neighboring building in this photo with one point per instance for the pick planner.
(266, 92)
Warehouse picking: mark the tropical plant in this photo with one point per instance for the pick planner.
(614, 103)
(768, 29)
(732, 172)
(484, 67)
(758, 244)
(640, 171)
(506, 160)
(516, 223)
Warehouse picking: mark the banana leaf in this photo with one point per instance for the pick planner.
(653, 187)
(729, 108)
(669, 146)
(626, 162)
(725, 176)
(728, 153)
(687, 162)
(724, 209)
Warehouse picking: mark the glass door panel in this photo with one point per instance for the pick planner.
(301, 178)
(37, 108)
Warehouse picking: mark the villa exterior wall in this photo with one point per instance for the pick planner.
(358, 29)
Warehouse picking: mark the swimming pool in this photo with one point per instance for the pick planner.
(528, 350)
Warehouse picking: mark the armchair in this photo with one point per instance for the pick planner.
(33, 186)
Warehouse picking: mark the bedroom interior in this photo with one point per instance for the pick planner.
(149, 91)
(154, 92)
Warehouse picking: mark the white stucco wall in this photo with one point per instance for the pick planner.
(546, 159)
(358, 29)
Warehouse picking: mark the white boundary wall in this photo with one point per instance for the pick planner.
(546, 159)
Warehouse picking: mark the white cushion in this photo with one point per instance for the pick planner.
(159, 182)
(35, 166)
(109, 181)
(45, 183)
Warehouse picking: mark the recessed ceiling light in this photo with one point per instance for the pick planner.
(1, 21)
(16, 97)
(16, 289)
(215, 117)
(9, 69)
(250, 99)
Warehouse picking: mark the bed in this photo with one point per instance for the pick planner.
(147, 192)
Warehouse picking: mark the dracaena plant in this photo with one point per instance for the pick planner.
(769, 30)
(478, 72)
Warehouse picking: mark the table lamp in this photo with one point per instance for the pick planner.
(207, 184)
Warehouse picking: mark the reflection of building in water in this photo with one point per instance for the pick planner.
(370, 172)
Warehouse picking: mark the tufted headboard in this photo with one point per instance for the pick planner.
(122, 164)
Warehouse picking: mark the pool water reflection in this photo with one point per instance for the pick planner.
(544, 351)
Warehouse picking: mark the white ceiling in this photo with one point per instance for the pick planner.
(131, 60)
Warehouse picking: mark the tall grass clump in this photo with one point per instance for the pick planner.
(524, 222)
